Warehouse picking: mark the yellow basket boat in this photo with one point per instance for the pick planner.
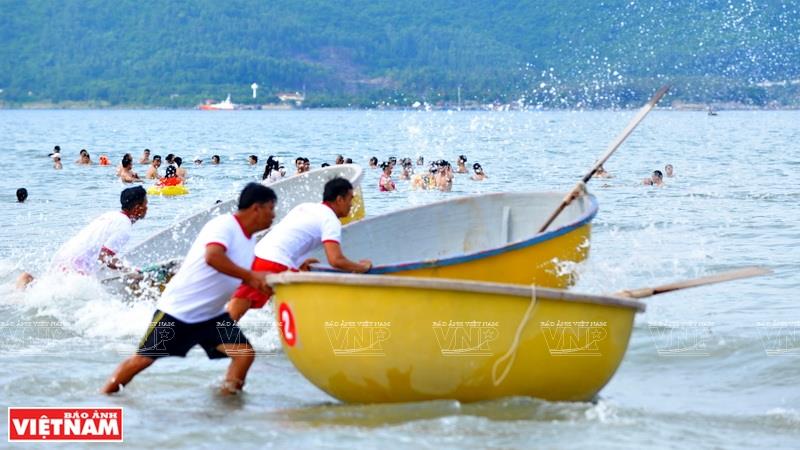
(376, 339)
(489, 237)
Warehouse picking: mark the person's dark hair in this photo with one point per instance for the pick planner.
(373, 160)
(348, 161)
(325, 165)
(335, 188)
(157, 157)
(298, 159)
(131, 197)
(22, 195)
(476, 166)
(84, 152)
(178, 161)
(147, 150)
(462, 158)
(306, 160)
(57, 148)
(171, 172)
(170, 157)
(215, 158)
(254, 158)
(127, 160)
(384, 165)
(256, 193)
(658, 173)
(272, 165)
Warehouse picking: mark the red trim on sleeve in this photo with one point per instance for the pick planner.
(218, 243)
(108, 250)
(331, 240)
(248, 236)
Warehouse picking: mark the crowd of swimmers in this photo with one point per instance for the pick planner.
(655, 179)
(173, 173)
(438, 175)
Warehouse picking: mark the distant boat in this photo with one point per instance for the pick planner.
(225, 105)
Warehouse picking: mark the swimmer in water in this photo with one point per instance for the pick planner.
(478, 174)
(152, 171)
(125, 171)
(462, 165)
(84, 159)
(180, 171)
(22, 195)
(252, 160)
(408, 170)
(373, 163)
(444, 176)
(57, 161)
(385, 184)
(602, 173)
(668, 169)
(339, 160)
(215, 160)
(657, 178)
(145, 159)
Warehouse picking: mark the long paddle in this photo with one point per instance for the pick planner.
(611, 149)
(711, 279)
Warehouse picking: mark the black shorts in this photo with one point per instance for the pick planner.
(168, 336)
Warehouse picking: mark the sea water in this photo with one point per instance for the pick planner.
(716, 366)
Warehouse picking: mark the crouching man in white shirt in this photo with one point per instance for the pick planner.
(98, 243)
(191, 310)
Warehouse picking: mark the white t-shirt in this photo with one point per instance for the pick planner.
(198, 292)
(305, 228)
(273, 177)
(81, 254)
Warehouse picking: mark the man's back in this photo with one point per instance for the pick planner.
(110, 231)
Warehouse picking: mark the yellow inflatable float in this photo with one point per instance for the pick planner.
(168, 190)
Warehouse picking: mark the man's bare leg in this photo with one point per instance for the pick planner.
(237, 307)
(242, 357)
(125, 372)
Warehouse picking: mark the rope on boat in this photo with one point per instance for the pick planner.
(511, 354)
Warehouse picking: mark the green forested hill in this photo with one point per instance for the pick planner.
(370, 52)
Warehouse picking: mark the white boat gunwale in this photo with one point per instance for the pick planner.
(584, 219)
(453, 285)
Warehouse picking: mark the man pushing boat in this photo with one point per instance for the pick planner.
(304, 229)
(99, 242)
(191, 310)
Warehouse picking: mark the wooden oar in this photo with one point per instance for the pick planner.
(578, 189)
(718, 278)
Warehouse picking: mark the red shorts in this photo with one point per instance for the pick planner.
(257, 299)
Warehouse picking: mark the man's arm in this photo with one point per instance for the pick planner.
(337, 260)
(217, 258)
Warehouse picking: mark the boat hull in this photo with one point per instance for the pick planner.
(369, 342)
(489, 237)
